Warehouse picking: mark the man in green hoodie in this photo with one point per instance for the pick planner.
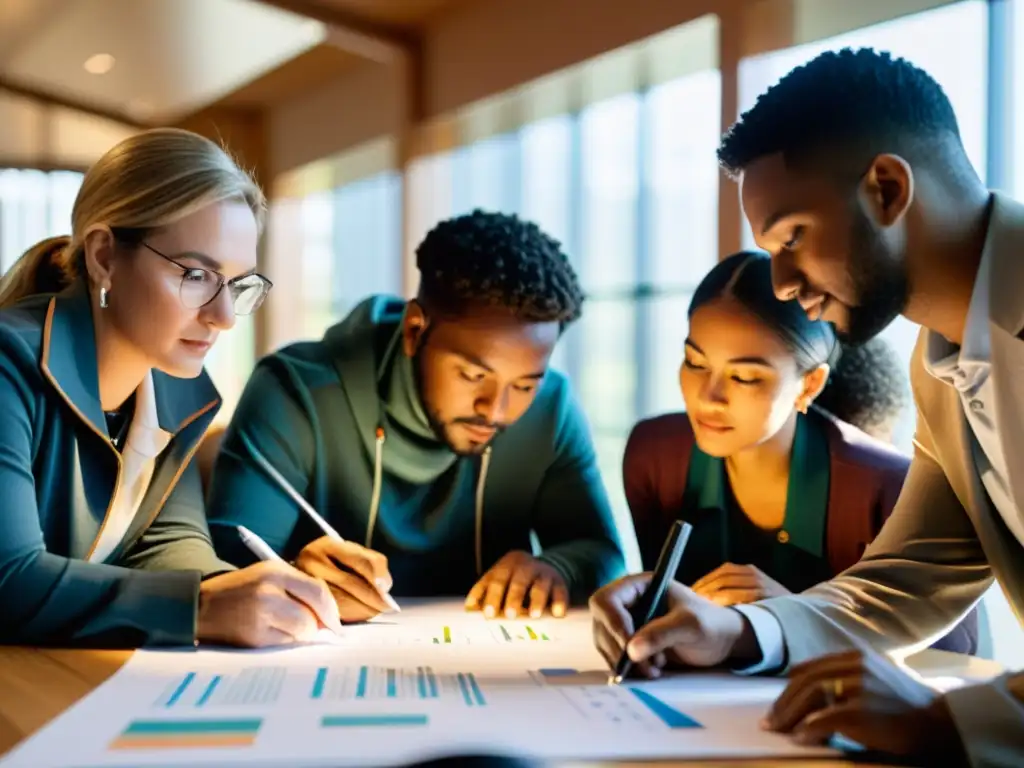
(433, 436)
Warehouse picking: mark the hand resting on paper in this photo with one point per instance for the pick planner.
(270, 603)
(731, 584)
(694, 631)
(356, 576)
(867, 698)
(519, 584)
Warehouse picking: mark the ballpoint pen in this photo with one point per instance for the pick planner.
(646, 607)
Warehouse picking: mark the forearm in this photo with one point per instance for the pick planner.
(866, 607)
(192, 553)
(51, 600)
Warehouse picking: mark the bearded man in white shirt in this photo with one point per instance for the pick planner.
(854, 178)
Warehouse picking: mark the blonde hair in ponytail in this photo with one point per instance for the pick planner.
(149, 180)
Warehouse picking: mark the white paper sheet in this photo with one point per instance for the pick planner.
(431, 680)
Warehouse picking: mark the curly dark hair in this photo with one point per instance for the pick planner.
(848, 106)
(868, 387)
(497, 260)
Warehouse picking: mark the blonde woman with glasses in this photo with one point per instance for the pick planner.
(104, 400)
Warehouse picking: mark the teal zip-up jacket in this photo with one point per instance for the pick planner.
(313, 409)
(58, 473)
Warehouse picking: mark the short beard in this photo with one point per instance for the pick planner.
(880, 282)
(438, 425)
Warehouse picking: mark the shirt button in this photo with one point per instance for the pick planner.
(783, 537)
(977, 405)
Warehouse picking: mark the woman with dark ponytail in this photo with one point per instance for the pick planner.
(781, 493)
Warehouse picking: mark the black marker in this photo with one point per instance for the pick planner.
(646, 607)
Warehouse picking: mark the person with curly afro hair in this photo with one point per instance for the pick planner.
(853, 177)
(434, 436)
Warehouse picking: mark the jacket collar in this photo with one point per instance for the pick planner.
(806, 497)
(68, 361)
(1005, 255)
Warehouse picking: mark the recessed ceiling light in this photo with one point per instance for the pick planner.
(99, 64)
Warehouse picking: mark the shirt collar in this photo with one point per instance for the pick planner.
(966, 367)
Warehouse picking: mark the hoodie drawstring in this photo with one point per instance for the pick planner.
(378, 471)
(378, 467)
(485, 462)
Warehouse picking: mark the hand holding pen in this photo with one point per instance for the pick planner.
(357, 576)
(270, 603)
(646, 621)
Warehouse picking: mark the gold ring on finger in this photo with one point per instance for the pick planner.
(833, 689)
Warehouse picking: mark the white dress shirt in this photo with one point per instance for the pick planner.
(968, 369)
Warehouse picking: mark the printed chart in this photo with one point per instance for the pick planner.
(480, 687)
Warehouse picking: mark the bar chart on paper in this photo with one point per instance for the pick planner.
(248, 686)
(490, 633)
(395, 683)
(186, 734)
(459, 681)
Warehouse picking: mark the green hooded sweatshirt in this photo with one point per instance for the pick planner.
(341, 421)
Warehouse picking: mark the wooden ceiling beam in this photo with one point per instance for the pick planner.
(49, 99)
(369, 39)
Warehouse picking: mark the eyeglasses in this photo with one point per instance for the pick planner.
(200, 287)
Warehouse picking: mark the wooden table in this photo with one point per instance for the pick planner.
(37, 685)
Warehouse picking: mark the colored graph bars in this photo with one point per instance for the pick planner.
(502, 633)
(620, 704)
(669, 715)
(255, 685)
(391, 683)
(372, 721)
(183, 734)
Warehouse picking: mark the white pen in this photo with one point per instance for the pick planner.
(306, 507)
(257, 546)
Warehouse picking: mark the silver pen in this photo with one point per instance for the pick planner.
(306, 507)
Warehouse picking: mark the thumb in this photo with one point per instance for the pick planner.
(678, 627)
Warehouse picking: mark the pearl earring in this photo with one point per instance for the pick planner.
(103, 298)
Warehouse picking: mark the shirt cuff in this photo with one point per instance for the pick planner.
(768, 632)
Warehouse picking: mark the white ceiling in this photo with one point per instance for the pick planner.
(171, 56)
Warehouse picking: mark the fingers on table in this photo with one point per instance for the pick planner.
(514, 589)
(817, 686)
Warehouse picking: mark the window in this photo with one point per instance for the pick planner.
(486, 175)
(681, 173)
(951, 44)
(547, 177)
(548, 154)
(34, 205)
(368, 241)
(610, 132)
(680, 180)
(1014, 69)
(318, 263)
